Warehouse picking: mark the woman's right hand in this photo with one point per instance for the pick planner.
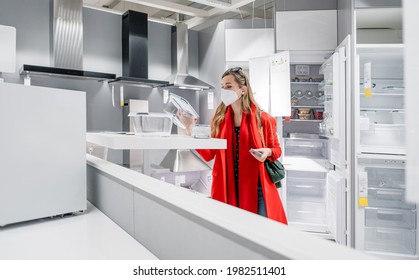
(266, 152)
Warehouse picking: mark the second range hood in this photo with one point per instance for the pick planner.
(135, 52)
(180, 77)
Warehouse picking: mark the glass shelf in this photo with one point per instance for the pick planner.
(308, 106)
(381, 109)
(298, 120)
(384, 94)
(305, 83)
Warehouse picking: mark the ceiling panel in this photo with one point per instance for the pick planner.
(193, 13)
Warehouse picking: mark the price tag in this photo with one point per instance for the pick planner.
(210, 100)
(367, 79)
(363, 189)
(121, 96)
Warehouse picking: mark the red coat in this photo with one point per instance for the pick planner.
(223, 185)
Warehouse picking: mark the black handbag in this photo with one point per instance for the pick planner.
(275, 169)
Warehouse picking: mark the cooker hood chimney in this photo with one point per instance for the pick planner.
(67, 45)
(135, 52)
(180, 77)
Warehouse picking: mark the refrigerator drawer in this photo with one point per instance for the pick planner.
(393, 218)
(306, 212)
(389, 198)
(401, 241)
(386, 177)
(310, 190)
(311, 148)
(384, 136)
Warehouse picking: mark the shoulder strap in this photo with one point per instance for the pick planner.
(259, 117)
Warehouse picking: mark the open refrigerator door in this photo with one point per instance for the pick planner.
(315, 192)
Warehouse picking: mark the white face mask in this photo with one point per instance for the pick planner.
(229, 96)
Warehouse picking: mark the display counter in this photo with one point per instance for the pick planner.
(176, 223)
(124, 141)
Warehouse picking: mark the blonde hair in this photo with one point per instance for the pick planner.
(246, 101)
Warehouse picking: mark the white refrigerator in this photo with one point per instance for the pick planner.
(313, 139)
(385, 223)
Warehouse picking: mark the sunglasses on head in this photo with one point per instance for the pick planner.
(235, 69)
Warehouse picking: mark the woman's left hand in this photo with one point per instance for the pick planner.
(266, 152)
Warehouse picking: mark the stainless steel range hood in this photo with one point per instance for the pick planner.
(180, 77)
(67, 45)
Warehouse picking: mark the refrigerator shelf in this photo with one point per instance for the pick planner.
(298, 120)
(318, 230)
(365, 109)
(308, 106)
(386, 150)
(384, 94)
(305, 83)
(380, 49)
(305, 167)
(385, 79)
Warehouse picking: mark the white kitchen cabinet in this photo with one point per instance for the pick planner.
(243, 44)
(306, 30)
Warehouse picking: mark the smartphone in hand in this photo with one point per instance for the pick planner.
(253, 151)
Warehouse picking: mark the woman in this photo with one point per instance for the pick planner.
(239, 176)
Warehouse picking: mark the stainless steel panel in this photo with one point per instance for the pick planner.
(68, 34)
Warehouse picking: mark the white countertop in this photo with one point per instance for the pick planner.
(117, 141)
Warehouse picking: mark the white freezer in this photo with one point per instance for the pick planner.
(385, 223)
(43, 152)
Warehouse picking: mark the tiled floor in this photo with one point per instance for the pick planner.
(86, 236)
